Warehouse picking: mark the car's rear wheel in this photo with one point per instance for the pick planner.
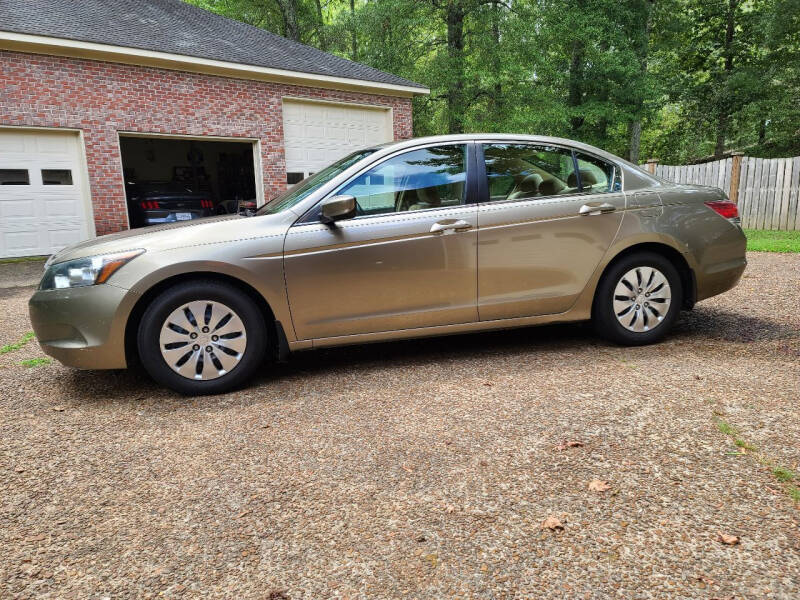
(202, 337)
(638, 299)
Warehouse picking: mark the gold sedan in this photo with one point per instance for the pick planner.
(424, 237)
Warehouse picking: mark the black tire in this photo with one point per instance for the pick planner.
(182, 293)
(605, 320)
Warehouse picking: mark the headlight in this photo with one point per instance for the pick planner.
(81, 272)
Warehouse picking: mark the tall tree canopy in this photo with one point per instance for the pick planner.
(678, 79)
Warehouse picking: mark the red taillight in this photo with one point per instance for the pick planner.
(724, 208)
(206, 203)
(149, 204)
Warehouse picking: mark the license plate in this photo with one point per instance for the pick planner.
(183, 216)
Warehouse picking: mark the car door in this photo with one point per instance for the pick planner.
(408, 259)
(546, 218)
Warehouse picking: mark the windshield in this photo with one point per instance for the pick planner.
(308, 186)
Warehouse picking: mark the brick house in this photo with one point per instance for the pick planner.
(97, 95)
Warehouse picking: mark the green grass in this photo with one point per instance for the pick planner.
(725, 428)
(759, 240)
(35, 362)
(21, 259)
(17, 345)
(783, 474)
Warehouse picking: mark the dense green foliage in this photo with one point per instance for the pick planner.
(685, 79)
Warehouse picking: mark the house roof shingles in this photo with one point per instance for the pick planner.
(175, 27)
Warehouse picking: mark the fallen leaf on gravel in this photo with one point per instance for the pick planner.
(432, 558)
(59, 408)
(704, 579)
(597, 485)
(407, 468)
(730, 540)
(552, 523)
(487, 384)
(573, 444)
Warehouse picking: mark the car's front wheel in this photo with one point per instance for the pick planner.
(638, 299)
(202, 337)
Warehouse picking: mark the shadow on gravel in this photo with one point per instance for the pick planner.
(406, 354)
(135, 386)
(715, 324)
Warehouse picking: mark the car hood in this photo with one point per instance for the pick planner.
(211, 230)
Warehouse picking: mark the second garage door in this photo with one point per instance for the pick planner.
(43, 206)
(318, 133)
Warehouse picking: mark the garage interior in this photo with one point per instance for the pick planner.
(222, 171)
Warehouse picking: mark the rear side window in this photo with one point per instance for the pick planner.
(597, 176)
(527, 171)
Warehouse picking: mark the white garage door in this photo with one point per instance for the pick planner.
(316, 134)
(42, 201)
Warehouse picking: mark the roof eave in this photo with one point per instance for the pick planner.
(39, 44)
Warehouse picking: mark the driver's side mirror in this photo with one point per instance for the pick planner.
(338, 208)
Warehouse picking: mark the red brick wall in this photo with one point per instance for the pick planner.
(103, 98)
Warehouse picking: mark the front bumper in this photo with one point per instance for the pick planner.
(83, 327)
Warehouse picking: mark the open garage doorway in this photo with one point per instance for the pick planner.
(170, 179)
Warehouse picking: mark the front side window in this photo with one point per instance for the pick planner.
(299, 192)
(417, 180)
(528, 171)
(597, 176)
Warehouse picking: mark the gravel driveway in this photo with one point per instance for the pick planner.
(421, 469)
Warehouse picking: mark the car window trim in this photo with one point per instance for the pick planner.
(601, 159)
(465, 199)
(483, 186)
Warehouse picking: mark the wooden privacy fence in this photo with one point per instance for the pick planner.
(767, 190)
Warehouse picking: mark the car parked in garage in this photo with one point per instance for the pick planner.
(157, 202)
(423, 237)
(246, 208)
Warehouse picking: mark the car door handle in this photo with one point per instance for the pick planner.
(450, 225)
(596, 209)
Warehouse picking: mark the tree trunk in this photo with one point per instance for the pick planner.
(323, 42)
(725, 103)
(635, 140)
(354, 37)
(496, 100)
(575, 95)
(288, 10)
(642, 52)
(454, 16)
